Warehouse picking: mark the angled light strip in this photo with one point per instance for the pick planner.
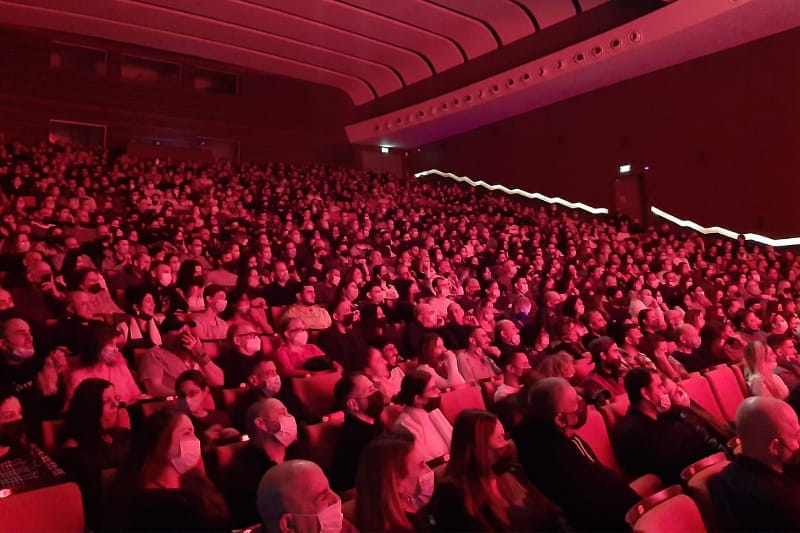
(519, 192)
(755, 237)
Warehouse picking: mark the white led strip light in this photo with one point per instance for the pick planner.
(755, 237)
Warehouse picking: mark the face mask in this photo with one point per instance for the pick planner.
(251, 346)
(331, 519)
(696, 342)
(425, 485)
(189, 455)
(272, 386)
(194, 403)
(433, 403)
(580, 416)
(94, 288)
(243, 309)
(165, 279)
(11, 432)
(664, 403)
(348, 320)
(23, 354)
(109, 354)
(374, 405)
(301, 338)
(144, 316)
(198, 280)
(220, 305)
(287, 433)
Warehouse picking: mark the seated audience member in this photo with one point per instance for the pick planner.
(628, 338)
(595, 324)
(314, 316)
(100, 302)
(457, 330)
(281, 292)
(39, 299)
(341, 340)
(208, 325)
(440, 300)
(421, 416)
(687, 343)
(439, 362)
(210, 425)
(160, 366)
(38, 381)
(262, 383)
(605, 381)
(382, 370)
(295, 352)
(273, 440)
(748, 325)
(372, 325)
(788, 369)
(425, 321)
(475, 363)
(103, 360)
(515, 365)
(141, 330)
(563, 465)
(656, 348)
(646, 440)
(326, 290)
(74, 330)
(168, 485)
(245, 349)
(506, 336)
(243, 310)
(557, 365)
(717, 433)
(362, 404)
(753, 493)
(99, 437)
(296, 496)
(23, 466)
(393, 485)
(760, 372)
(479, 491)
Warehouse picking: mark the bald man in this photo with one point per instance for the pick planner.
(295, 497)
(753, 493)
(564, 466)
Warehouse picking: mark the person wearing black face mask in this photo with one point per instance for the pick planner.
(23, 466)
(564, 466)
(342, 340)
(362, 404)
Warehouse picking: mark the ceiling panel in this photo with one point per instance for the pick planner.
(549, 12)
(507, 19)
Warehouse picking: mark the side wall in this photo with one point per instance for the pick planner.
(272, 117)
(721, 135)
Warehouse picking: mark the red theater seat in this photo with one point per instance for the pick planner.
(52, 509)
(457, 400)
(315, 392)
(726, 390)
(696, 477)
(699, 390)
(322, 438)
(667, 511)
(595, 433)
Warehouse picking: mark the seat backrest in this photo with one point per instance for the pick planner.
(232, 395)
(614, 411)
(58, 508)
(738, 371)
(148, 408)
(595, 434)
(726, 390)
(322, 438)
(390, 413)
(697, 488)
(488, 388)
(699, 391)
(315, 393)
(53, 435)
(457, 400)
(223, 457)
(677, 514)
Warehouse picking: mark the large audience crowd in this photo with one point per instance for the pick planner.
(155, 312)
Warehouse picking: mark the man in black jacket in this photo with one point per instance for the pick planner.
(362, 404)
(753, 493)
(647, 439)
(563, 465)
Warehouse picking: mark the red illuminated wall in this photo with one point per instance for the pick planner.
(273, 118)
(721, 133)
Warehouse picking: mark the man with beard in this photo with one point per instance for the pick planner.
(340, 341)
(605, 381)
(596, 324)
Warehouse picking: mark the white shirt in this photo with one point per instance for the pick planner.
(432, 431)
(503, 391)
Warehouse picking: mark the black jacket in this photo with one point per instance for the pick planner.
(592, 497)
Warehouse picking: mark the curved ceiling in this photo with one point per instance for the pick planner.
(366, 48)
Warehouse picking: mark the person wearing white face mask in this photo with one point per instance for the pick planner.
(291, 357)
(393, 485)
(211, 425)
(103, 360)
(168, 485)
(208, 324)
(647, 440)
(273, 440)
(295, 497)
(40, 380)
